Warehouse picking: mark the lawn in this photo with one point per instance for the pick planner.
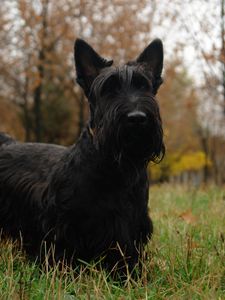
(185, 257)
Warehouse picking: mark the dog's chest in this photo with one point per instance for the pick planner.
(109, 210)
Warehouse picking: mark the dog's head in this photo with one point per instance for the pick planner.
(124, 114)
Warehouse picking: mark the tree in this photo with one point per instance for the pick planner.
(44, 40)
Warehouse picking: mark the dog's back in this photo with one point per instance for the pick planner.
(5, 139)
(24, 172)
(21, 159)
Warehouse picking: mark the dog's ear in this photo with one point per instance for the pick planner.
(88, 64)
(152, 59)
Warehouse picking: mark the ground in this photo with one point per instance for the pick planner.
(185, 257)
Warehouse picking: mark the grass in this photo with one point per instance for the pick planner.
(185, 257)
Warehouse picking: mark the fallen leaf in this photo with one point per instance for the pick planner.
(188, 217)
(194, 245)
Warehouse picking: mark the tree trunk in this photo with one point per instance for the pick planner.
(223, 50)
(39, 88)
(204, 140)
(38, 100)
(27, 122)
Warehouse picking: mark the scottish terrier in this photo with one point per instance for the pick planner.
(90, 200)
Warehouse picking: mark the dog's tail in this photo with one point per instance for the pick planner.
(6, 139)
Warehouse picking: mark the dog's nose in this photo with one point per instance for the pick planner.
(136, 117)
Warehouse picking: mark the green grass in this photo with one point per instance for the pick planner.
(185, 257)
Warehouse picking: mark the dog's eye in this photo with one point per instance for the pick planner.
(111, 85)
(140, 83)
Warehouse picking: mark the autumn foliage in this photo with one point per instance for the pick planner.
(39, 100)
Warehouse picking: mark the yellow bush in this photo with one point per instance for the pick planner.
(176, 163)
(194, 161)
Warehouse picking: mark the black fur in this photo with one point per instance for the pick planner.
(90, 199)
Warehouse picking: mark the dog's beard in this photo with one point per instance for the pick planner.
(120, 143)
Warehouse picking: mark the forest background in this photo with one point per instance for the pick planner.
(40, 102)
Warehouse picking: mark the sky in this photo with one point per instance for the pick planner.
(196, 25)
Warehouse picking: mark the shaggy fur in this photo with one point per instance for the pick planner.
(90, 200)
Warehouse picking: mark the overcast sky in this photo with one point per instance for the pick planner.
(197, 26)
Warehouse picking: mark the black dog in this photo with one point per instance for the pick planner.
(90, 200)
